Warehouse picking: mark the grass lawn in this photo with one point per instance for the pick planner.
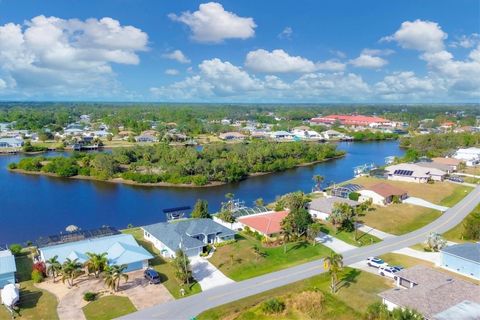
(108, 307)
(472, 170)
(238, 262)
(436, 192)
(399, 218)
(34, 303)
(395, 259)
(166, 270)
(456, 234)
(364, 239)
(358, 289)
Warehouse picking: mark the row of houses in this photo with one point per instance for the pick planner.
(297, 134)
(354, 121)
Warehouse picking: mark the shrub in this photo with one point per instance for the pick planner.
(354, 196)
(37, 276)
(273, 306)
(16, 249)
(309, 303)
(40, 267)
(12, 166)
(224, 243)
(89, 296)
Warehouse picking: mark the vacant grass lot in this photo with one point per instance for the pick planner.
(472, 170)
(34, 303)
(357, 290)
(436, 192)
(166, 270)
(456, 234)
(403, 218)
(395, 259)
(238, 261)
(108, 307)
(363, 239)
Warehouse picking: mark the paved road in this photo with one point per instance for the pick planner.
(187, 308)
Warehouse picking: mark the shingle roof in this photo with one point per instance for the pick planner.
(469, 251)
(7, 262)
(386, 190)
(171, 234)
(435, 291)
(325, 204)
(269, 223)
(465, 310)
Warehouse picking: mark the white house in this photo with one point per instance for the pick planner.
(307, 134)
(281, 135)
(410, 172)
(321, 208)
(471, 156)
(333, 135)
(11, 143)
(382, 194)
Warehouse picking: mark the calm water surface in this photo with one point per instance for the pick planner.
(33, 206)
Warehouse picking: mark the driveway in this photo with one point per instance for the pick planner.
(374, 232)
(333, 243)
(207, 275)
(424, 203)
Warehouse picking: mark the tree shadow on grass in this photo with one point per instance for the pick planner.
(299, 245)
(28, 299)
(349, 278)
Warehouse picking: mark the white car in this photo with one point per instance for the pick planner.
(376, 262)
(387, 271)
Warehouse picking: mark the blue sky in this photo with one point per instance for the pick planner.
(240, 51)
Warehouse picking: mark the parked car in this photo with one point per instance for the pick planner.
(398, 268)
(387, 271)
(455, 179)
(376, 262)
(152, 276)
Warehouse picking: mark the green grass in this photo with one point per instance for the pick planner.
(108, 307)
(458, 194)
(164, 267)
(358, 289)
(456, 234)
(395, 259)
(238, 262)
(363, 239)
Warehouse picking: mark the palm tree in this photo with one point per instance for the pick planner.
(318, 181)
(96, 262)
(113, 275)
(70, 270)
(334, 264)
(313, 231)
(53, 267)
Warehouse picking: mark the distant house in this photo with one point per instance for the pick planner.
(462, 258)
(435, 165)
(268, 224)
(144, 138)
(433, 294)
(307, 134)
(190, 235)
(451, 162)
(471, 156)
(11, 143)
(232, 136)
(120, 249)
(7, 268)
(352, 120)
(281, 135)
(321, 208)
(382, 194)
(333, 135)
(410, 172)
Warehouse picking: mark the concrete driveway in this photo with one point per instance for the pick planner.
(424, 203)
(207, 275)
(333, 243)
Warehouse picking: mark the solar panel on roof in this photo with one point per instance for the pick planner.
(403, 172)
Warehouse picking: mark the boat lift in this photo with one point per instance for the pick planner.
(176, 213)
(364, 169)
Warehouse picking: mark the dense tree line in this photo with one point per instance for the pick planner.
(189, 165)
(434, 145)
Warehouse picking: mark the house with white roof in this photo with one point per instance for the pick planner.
(7, 268)
(281, 135)
(471, 156)
(307, 134)
(11, 143)
(410, 172)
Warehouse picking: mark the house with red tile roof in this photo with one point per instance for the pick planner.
(267, 224)
(353, 120)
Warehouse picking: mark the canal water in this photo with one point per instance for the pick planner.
(34, 206)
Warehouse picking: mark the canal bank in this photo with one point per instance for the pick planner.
(33, 206)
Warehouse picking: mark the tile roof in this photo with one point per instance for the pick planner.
(468, 251)
(435, 291)
(447, 161)
(268, 223)
(172, 233)
(386, 190)
(325, 204)
(7, 262)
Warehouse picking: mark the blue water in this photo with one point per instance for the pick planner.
(33, 206)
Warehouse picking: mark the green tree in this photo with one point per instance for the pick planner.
(53, 267)
(259, 202)
(113, 275)
(334, 265)
(471, 226)
(406, 314)
(200, 209)
(377, 311)
(318, 182)
(71, 269)
(435, 242)
(313, 231)
(181, 263)
(96, 262)
(16, 249)
(342, 216)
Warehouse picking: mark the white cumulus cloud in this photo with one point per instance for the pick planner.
(172, 72)
(177, 55)
(211, 23)
(277, 61)
(368, 61)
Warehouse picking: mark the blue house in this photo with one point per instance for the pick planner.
(120, 249)
(462, 258)
(7, 268)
